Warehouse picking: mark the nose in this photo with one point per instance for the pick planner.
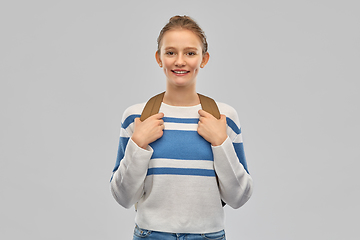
(180, 61)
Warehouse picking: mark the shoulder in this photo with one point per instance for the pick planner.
(135, 109)
(131, 113)
(227, 110)
(232, 118)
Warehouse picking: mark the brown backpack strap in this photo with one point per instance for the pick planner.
(153, 105)
(209, 105)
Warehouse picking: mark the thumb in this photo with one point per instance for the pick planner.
(137, 121)
(223, 117)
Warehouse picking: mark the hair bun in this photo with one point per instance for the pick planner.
(178, 17)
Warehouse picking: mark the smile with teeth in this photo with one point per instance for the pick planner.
(179, 72)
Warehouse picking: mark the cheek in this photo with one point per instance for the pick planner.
(167, 69)
(167, 65)
(194, 64)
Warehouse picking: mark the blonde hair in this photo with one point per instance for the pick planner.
(183, 22)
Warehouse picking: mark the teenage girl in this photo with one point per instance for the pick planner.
(179, 165)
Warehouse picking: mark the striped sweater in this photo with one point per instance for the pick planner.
(180, 179)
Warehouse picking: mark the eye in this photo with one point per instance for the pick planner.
(169, 53)
(191, 53)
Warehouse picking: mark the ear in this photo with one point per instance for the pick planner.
(205, 59)
(157, 57)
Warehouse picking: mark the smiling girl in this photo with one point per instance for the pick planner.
(180, 164)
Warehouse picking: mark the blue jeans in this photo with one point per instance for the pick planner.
(143, 234)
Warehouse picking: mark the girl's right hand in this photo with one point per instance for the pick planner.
(149, 130)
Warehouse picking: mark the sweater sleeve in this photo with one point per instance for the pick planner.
(235, 182)
(127, 181)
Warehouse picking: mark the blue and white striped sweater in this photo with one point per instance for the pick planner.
(182, 160)
(173, 143)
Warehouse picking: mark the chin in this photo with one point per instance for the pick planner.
(181, 84)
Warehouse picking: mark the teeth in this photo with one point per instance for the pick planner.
(180, 72)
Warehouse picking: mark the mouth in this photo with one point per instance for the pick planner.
(180, 72)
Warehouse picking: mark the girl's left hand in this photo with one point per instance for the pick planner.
(211, 129)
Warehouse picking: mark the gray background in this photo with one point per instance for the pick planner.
(69, 69)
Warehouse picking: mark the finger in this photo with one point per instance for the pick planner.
(160, 122)
(158, 116)
(203, 113)
(136, 120)
(224, 119)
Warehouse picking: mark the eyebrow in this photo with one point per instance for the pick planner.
(188, 48)
(191, 48)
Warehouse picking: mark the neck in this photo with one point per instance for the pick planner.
(181, 97)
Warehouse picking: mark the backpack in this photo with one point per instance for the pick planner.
(153, 105)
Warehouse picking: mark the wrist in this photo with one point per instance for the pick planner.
(219, 141)
(138, 142)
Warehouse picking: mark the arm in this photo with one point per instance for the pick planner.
(127, 182)
(235, 183)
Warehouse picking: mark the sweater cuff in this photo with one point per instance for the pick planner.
(225, 145)
(225, 153)
(136, 157)
(137, 148)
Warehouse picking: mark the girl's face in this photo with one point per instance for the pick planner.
(181, 57)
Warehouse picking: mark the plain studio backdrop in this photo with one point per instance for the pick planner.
(69, 69)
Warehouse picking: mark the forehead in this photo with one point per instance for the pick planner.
(180, 38)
